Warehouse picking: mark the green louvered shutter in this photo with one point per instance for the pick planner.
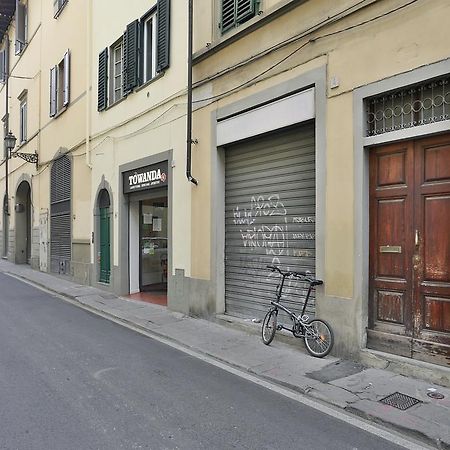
(130, 57)
(244, 10)
(228, 15)
(235, 12)
(102, 80)
(163, 35)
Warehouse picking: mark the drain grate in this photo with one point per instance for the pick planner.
(400, 401)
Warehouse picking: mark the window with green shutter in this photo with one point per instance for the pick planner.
(236, 12)
(102, 100)
(130, 57)
(135, 58)
(163, 35)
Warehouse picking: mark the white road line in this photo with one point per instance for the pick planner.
(357, 422)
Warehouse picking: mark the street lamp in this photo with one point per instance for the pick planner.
(10, 143)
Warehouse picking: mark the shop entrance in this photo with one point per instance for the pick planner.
(153, 241)
(409, 307)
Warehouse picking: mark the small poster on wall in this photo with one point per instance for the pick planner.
(148, 218)
(157, 224)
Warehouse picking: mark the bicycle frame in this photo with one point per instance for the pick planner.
(294, 318)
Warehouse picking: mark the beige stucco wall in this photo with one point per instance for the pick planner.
(48, 40)
(147, 122)
(359, 56)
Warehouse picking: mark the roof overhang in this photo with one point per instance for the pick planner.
(7, 10)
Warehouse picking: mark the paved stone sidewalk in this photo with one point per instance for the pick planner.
(344, 384)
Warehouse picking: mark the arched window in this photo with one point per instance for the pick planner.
(103, 199)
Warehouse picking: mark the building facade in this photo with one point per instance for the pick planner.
(45, 222)
(320, 142)
(140, 197)
(324, 145)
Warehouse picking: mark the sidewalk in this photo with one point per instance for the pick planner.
(344, 384)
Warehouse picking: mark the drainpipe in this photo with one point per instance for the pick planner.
(6, 151)
(88, 83)
(189, 97)
(6, 154)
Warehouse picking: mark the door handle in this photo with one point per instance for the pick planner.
(416, 238)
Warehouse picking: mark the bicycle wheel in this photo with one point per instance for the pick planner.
(318, 338)
(269, 326)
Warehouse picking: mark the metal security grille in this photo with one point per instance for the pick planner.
(413, 106)
(400, 401)
(60, 215)
(269, 218)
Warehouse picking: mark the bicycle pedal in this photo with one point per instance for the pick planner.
(279, 327)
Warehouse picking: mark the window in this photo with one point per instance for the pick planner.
(21, 26)
(60, 85)
(4, 56)
(422, 104)
(58, 6)
(236, 12)
(23, 119)
(116, 72)
(149, 48)
(140, 54)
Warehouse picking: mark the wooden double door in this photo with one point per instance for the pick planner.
(409, 303)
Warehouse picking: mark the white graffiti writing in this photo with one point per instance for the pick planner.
(304, 219)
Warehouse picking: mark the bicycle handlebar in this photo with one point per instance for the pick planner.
(299, 274)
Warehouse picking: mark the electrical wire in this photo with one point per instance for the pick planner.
(309, 41)
(328, 21)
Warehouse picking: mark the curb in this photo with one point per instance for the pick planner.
(415, 434)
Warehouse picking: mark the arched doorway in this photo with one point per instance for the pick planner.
(22, 208)
(104, 204)
(5, 226)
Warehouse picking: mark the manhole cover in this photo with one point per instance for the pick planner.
(436, 395)
(400, 401)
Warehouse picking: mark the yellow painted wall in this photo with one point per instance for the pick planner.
(149, 121)
(48, 40)
(382, 47)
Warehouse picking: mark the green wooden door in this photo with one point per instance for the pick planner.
(105, 247)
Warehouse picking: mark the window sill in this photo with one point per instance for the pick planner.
(137, 89)
(114, 104)
(22, 144)
(60, 10)
(22, 51)
(149, 82)
(60, 112)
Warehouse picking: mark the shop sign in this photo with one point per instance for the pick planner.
(147, 177)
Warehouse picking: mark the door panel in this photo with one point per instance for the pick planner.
(105, 246)
(436, 258)
(432, 252)
(391, 179)
(390, 233)
(409, 307)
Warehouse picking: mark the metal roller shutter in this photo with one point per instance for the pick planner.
(269, 219)
(60, 215)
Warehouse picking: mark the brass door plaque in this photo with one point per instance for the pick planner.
(390, 249)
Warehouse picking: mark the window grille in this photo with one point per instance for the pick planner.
(412, 106)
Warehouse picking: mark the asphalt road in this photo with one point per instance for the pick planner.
(72, 380)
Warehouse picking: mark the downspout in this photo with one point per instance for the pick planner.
(88, 83)
(6, 155)
(189, 97)
(6, 151)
